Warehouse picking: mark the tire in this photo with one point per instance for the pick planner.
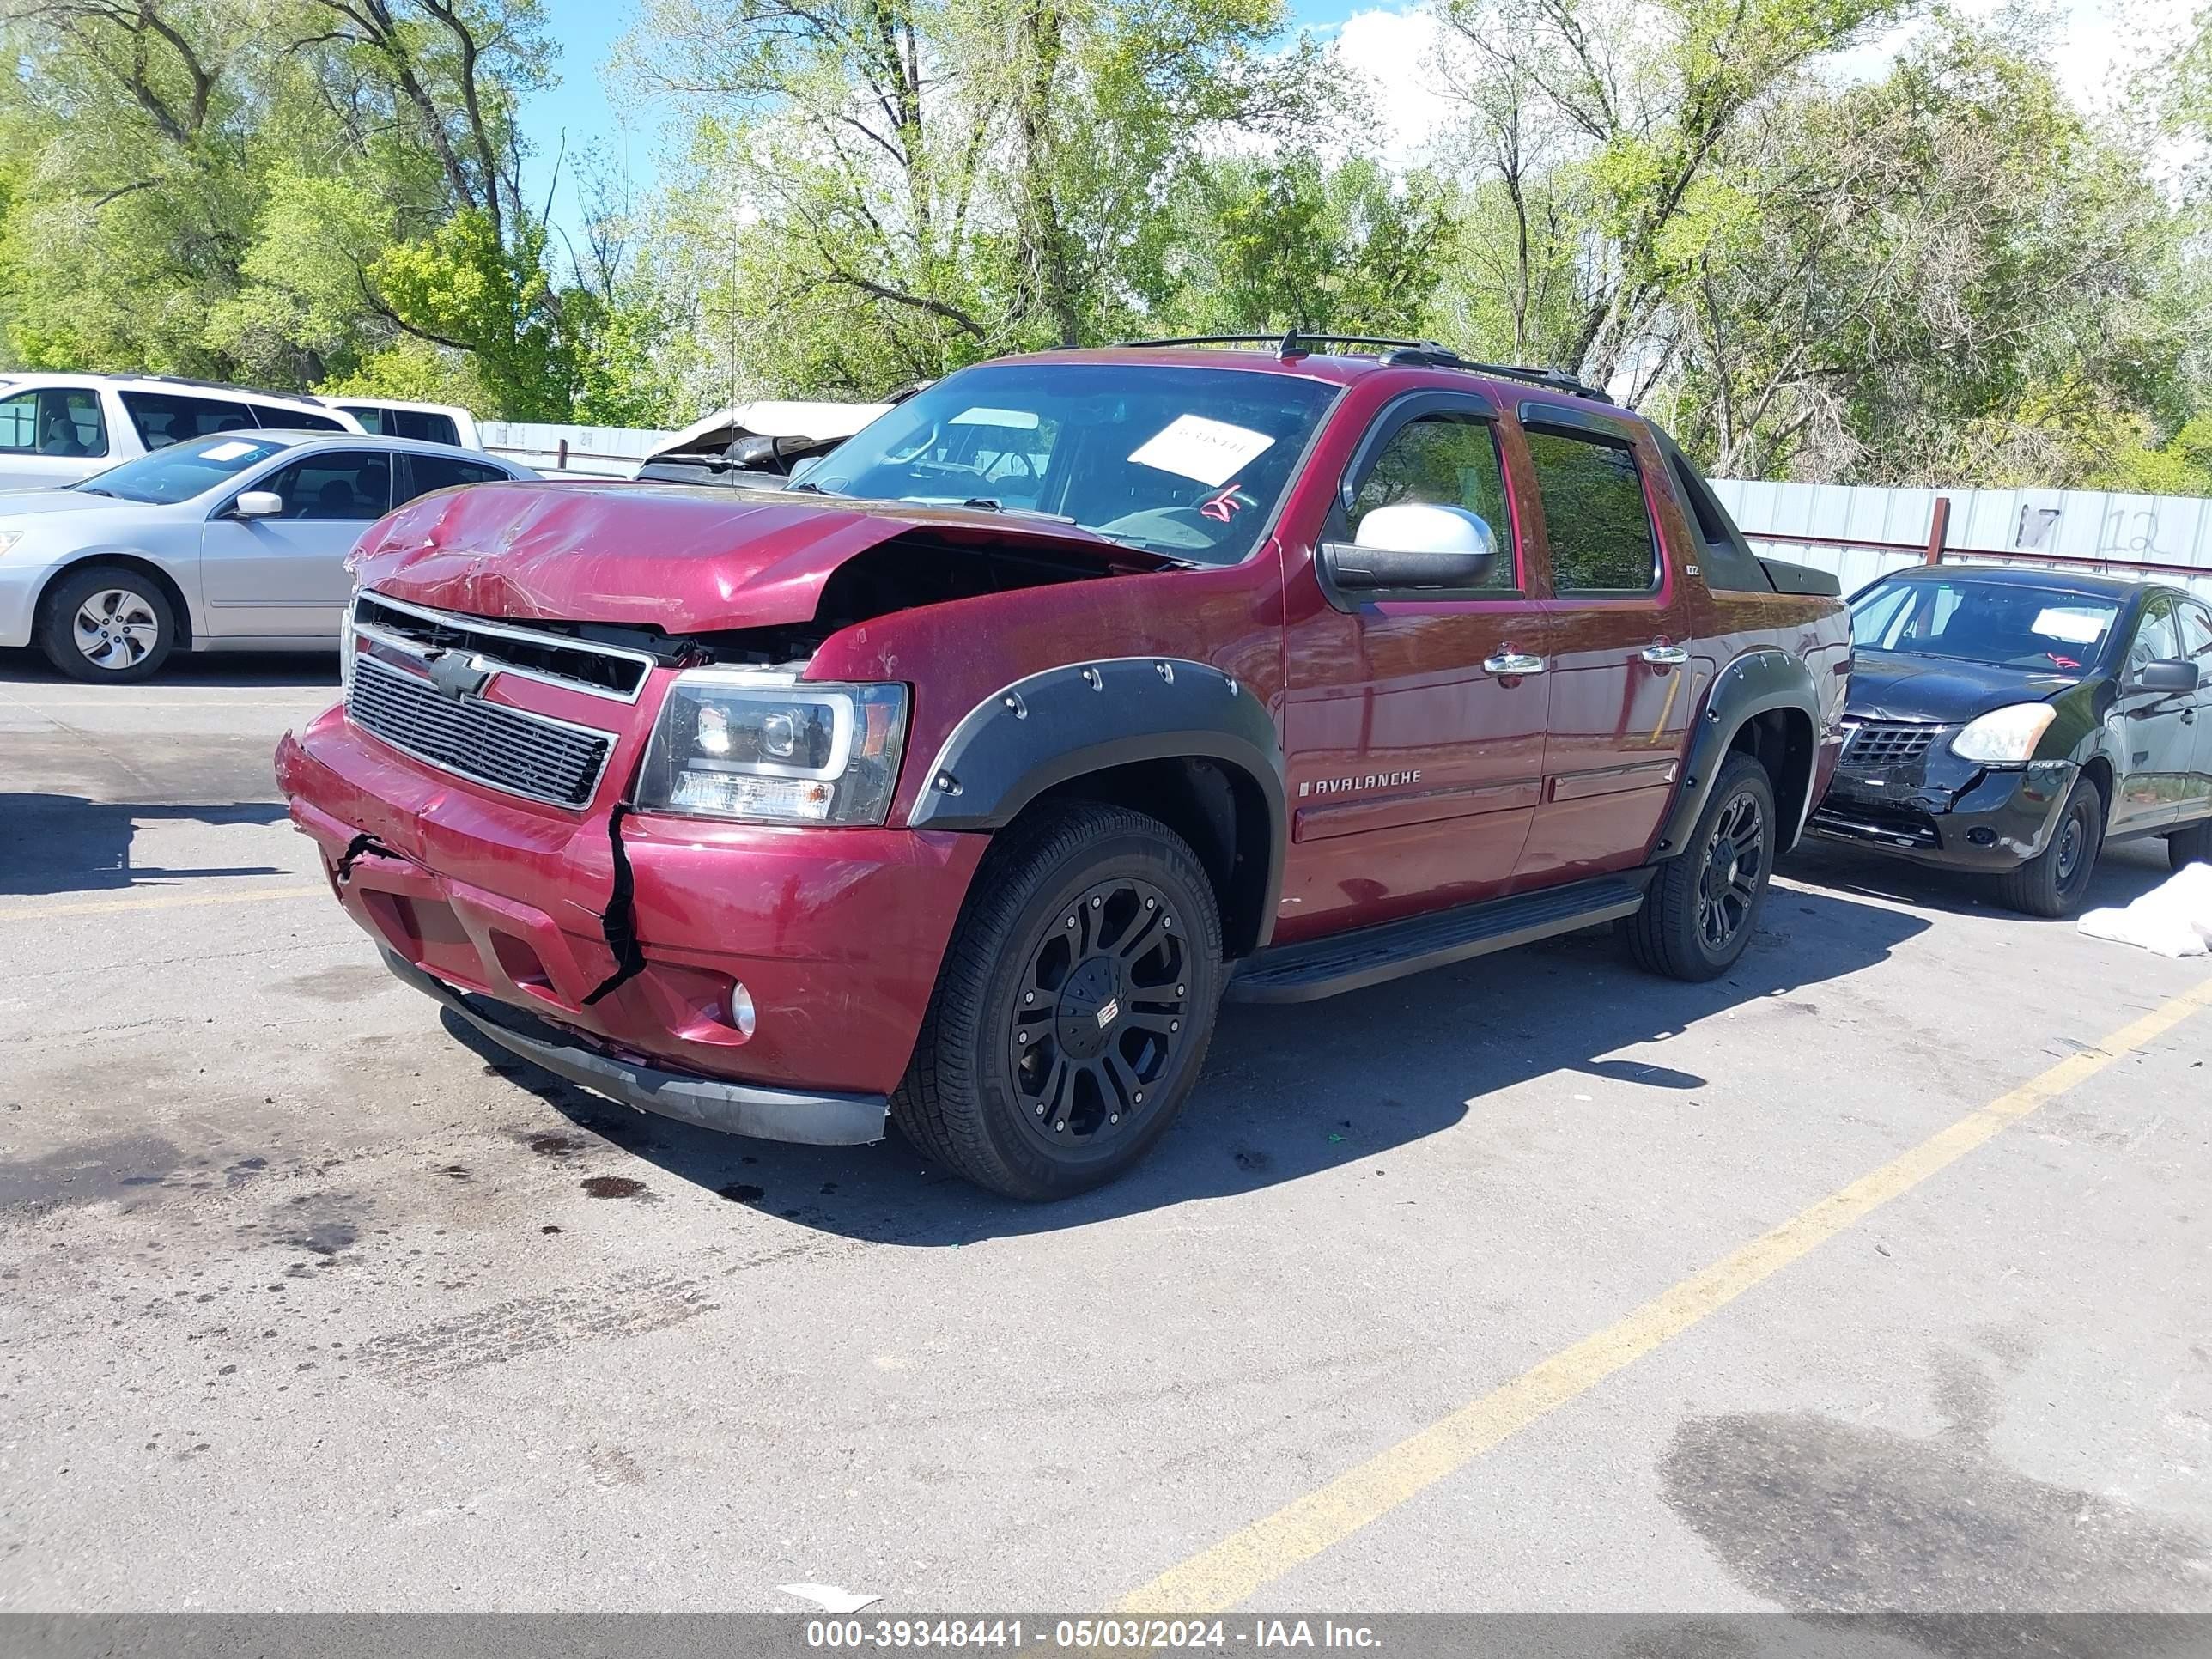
(106, 624)
(1702, 907)
(2189, 846)
(1039, 1111)
(2054, 882)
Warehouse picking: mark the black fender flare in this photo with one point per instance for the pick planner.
(1083, 717)
(1751, 686)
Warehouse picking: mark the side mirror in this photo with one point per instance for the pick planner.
(1414, 544)
(2170, 674)
(257, 504)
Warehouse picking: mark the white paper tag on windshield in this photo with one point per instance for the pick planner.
(229, 451)
(1022, 419)
(1195, 447)
(2074, 627)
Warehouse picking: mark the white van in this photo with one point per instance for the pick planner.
(429, 423)
(57, 428)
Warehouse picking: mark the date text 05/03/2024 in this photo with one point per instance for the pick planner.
(1091, 1635)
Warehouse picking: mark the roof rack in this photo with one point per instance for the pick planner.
(1423, 354)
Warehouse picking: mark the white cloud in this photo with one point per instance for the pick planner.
(1395, 51)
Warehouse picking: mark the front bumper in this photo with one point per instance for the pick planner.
(1948, 811)
(835, 934)
(737, 1109)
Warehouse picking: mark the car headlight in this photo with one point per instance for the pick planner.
(769, 750)
(2005, 737)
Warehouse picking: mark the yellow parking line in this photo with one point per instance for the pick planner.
(1218, 1578)
(153, 902)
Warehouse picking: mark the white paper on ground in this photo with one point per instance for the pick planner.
(2174, 918)
(1192, 446)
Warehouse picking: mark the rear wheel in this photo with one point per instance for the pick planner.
(2055, 881)
(1703, 904)
(104, 623)
(1074, 1006)
(2191, 845)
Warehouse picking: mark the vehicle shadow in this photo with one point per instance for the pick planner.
(221, 669)
(1287, 1091)
(68, 844)
(2125, 874)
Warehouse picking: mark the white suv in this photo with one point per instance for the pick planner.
(432, 423)
(57, 428)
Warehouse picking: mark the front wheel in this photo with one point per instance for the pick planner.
(107, 624)
(1699, 911)
(2056, 881)
(1073, 1008)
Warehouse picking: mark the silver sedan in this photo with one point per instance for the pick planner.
(228, 543)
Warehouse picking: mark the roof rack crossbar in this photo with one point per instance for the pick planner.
(1409, 353)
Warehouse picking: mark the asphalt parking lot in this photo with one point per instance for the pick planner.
(1534, 1285)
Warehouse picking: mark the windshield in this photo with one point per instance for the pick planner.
(182, 470)
(1997, 623)
(1183, 461)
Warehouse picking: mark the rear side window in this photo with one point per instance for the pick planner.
(293, 420)
(1594, 515)
(419, 424)
(1443, 459)
(164, 417)
(53, 421)
(420, 474)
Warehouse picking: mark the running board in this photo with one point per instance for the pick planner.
(1346, 962)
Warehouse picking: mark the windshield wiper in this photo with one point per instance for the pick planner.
(88, 490)
(804, 488)
(992, 504)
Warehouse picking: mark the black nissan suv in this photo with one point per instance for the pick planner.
(2011, 721)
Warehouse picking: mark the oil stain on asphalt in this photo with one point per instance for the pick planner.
(1820, 1516)
(613, 1187)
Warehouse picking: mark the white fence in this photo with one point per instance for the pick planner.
(596, 452)
(1857, 531)
(1860, 532)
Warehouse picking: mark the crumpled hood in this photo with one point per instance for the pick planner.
(1886, 685)
(682, 559)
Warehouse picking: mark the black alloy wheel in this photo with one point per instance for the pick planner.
(1702, 907)
(1073, 1006)
(1735, 869)
(1099, 1013)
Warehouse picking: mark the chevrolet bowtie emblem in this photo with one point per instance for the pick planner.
(456, 675)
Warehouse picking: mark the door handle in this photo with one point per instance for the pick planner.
(1665, 656)
(1513, 663)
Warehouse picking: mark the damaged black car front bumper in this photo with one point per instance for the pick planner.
(1902, 791)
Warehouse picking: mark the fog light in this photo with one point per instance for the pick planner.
(741, 1008)
(1982, 836)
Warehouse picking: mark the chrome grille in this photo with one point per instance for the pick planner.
(1888, 742)
(520, 753)
(607, 671)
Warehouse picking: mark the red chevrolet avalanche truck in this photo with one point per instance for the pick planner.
(958, 783)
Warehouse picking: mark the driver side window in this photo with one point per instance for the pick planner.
(1441, 459)
(2156, 640)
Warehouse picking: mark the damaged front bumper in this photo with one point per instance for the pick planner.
(1944, 810)
(737, 1109)
(621, 945)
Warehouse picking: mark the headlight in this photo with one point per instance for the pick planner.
(2005, 737)
(769, 750)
